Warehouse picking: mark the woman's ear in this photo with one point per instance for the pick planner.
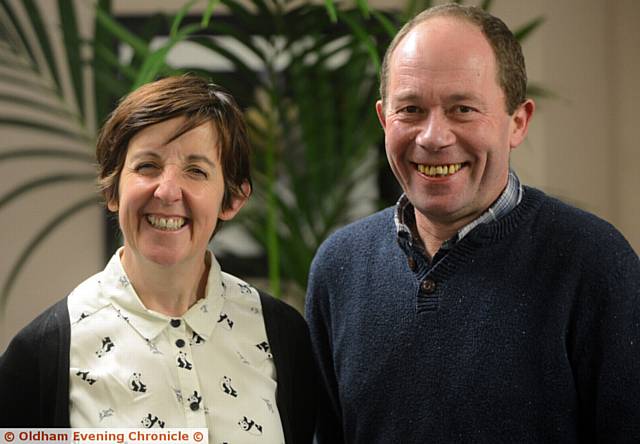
(112, 202)
(237, 202)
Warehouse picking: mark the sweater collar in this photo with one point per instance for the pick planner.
(404, 217)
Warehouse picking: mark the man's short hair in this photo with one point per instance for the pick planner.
(189, 96)
(512, 74)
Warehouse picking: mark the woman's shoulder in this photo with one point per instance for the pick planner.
(280, 311)
(44, 327)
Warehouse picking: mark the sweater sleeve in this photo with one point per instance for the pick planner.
(34, 370)
(329, 428)
(604, 342)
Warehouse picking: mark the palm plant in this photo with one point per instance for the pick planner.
(64, 110)
(311, 117)
(310, 106)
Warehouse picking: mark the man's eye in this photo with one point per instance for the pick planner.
(411, 109)
(463, 109)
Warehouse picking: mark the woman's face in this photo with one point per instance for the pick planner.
(170, 194)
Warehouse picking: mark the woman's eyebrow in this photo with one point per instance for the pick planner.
(201, 158)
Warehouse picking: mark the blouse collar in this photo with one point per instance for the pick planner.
(116, 290)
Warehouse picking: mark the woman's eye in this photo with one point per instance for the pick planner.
(145, 167)
(198, 172)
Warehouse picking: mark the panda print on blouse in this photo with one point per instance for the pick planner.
(133, 367)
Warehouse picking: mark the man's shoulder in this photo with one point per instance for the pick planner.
(356, 237)
(566, 223)
(378, 224)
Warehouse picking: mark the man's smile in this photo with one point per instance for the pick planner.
(439, 170)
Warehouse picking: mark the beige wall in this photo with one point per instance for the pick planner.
(581, 146)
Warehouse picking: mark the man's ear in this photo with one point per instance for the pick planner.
(520, 122)
(381, 116)
(237, 202)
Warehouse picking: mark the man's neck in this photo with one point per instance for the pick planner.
(433, 233)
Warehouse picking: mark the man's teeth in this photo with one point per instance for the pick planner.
(439, 170)
(165, 223)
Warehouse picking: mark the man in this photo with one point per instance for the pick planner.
(476, 309)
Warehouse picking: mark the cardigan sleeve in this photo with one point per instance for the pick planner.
(295, 368)
(34, 372)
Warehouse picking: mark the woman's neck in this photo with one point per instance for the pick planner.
(170, 290)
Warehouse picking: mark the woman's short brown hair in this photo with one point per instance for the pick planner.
(187, 96)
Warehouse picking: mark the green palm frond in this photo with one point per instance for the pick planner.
(37, 240)
(309, 108)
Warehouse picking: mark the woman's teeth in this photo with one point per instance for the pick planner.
(439, 170)
(166, 223)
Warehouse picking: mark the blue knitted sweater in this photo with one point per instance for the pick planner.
(527, 331)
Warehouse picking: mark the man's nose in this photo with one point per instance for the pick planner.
(436, 132)
(169, 187)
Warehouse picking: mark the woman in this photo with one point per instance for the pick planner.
(161, 337)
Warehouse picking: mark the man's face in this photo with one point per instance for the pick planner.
(447, 131)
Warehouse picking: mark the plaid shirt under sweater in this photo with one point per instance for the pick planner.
(404, 217)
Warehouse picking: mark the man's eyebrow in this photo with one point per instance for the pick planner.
(404, 96)
(457, 97)
(409, 96)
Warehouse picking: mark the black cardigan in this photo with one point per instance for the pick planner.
(34, 371)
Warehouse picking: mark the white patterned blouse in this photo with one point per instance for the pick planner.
(133, 367)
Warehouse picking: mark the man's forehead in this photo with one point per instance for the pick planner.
(447, 31)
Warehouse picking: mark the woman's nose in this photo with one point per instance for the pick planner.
(169, 187)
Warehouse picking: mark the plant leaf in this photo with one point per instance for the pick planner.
(105, 86)
(40, 182)
(35, 104)
(389, 27)
(486, 5)
(120, 32)
(36, 241)
(39, 28)
(535, 90)
(206, 16)
(15, 22)
(331, 10)
(177, 20)
(363, 37)
(24, 81)
(524, 31)
(59, 153)
(71, 38)
(36, 125)
(364, 7)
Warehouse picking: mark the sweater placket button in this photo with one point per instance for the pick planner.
(428, 286)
